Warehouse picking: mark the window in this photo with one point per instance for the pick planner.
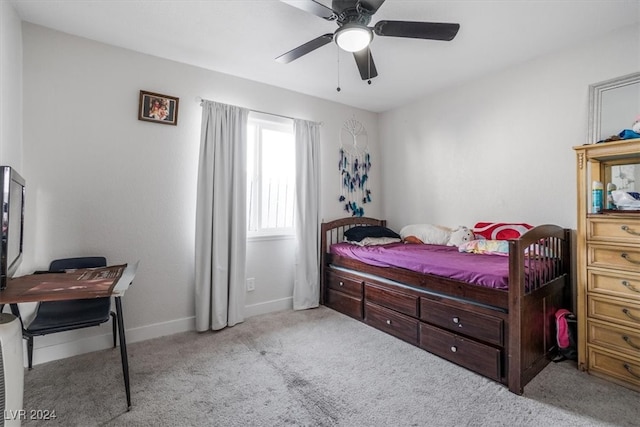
(271, 173)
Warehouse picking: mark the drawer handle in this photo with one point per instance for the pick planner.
(630, 286)
(341, 283)
(630, 370)
(631, 343)
(456, 320)
(388, 322)
(628, 230)
(629, 315)
(454, 348)
(628, 258)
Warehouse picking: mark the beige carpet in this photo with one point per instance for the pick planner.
(309, 368)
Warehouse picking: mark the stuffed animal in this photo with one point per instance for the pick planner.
(436, 234)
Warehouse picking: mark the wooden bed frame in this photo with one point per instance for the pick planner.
(505, 335)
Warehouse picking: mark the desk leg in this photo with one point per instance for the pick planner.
(123, 351)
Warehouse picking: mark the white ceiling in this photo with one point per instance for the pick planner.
(243, 38)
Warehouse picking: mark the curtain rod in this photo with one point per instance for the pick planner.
(200, 99)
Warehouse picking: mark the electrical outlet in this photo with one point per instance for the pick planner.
(251, 284)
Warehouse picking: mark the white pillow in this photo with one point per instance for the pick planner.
(437, 234)
(373, 241)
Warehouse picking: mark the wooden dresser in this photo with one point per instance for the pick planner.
(608, 270)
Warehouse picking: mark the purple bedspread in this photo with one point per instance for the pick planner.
(491, 271)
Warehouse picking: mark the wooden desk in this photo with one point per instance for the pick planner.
(78, 284)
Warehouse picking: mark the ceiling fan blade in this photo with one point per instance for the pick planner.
(417, 30)
(371, 5)
(314, 8)
(302, 50)
(365, 64)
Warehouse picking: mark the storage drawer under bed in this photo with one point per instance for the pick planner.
(399, 301)
(391, 322)
(344, 303)
(345, 283)
(479, 326)
(483, 359)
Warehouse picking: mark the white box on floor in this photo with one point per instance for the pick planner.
(12, 373)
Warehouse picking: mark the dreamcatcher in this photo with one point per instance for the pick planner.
(354, 167)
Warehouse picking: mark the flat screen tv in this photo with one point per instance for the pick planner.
(13, 194)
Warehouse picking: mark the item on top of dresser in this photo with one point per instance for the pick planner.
(436, 234)
(624, 200)
(500, 230)
(632, 133)
(636, 125)
(610, 187)
(596, 196)
(628, 134)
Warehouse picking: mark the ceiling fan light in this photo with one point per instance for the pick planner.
(353, 37)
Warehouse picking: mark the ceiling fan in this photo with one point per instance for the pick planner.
(353, 34)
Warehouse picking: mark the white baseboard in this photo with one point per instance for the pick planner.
(68, 344)
(268, 307)
(162, 329)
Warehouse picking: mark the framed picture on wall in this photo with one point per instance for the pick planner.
(158, 108)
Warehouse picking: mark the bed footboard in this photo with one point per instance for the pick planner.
(539, 266)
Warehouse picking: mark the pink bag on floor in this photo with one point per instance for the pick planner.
(566, 332)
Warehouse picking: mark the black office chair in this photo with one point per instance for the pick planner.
(60, 316)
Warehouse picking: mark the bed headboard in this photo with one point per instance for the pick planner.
(333, 231)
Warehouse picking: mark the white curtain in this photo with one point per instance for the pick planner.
(306, 288)
(221, 217)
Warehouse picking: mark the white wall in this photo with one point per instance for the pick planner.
(499, 148)
(10, 87)
(103, 182)
(267, 263)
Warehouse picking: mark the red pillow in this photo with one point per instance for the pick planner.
(500, 230)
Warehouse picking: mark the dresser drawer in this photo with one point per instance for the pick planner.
(398, 301)
(481, 327)
(396, 324)
(617, 338)
(480, 358)
(612, 256)
(344, 283)
(619, 284)
(623, 313)
(344, 303)
(613, 230)
(615, 366)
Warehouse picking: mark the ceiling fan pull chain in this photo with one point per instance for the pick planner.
(338, 62)
(369, 64)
